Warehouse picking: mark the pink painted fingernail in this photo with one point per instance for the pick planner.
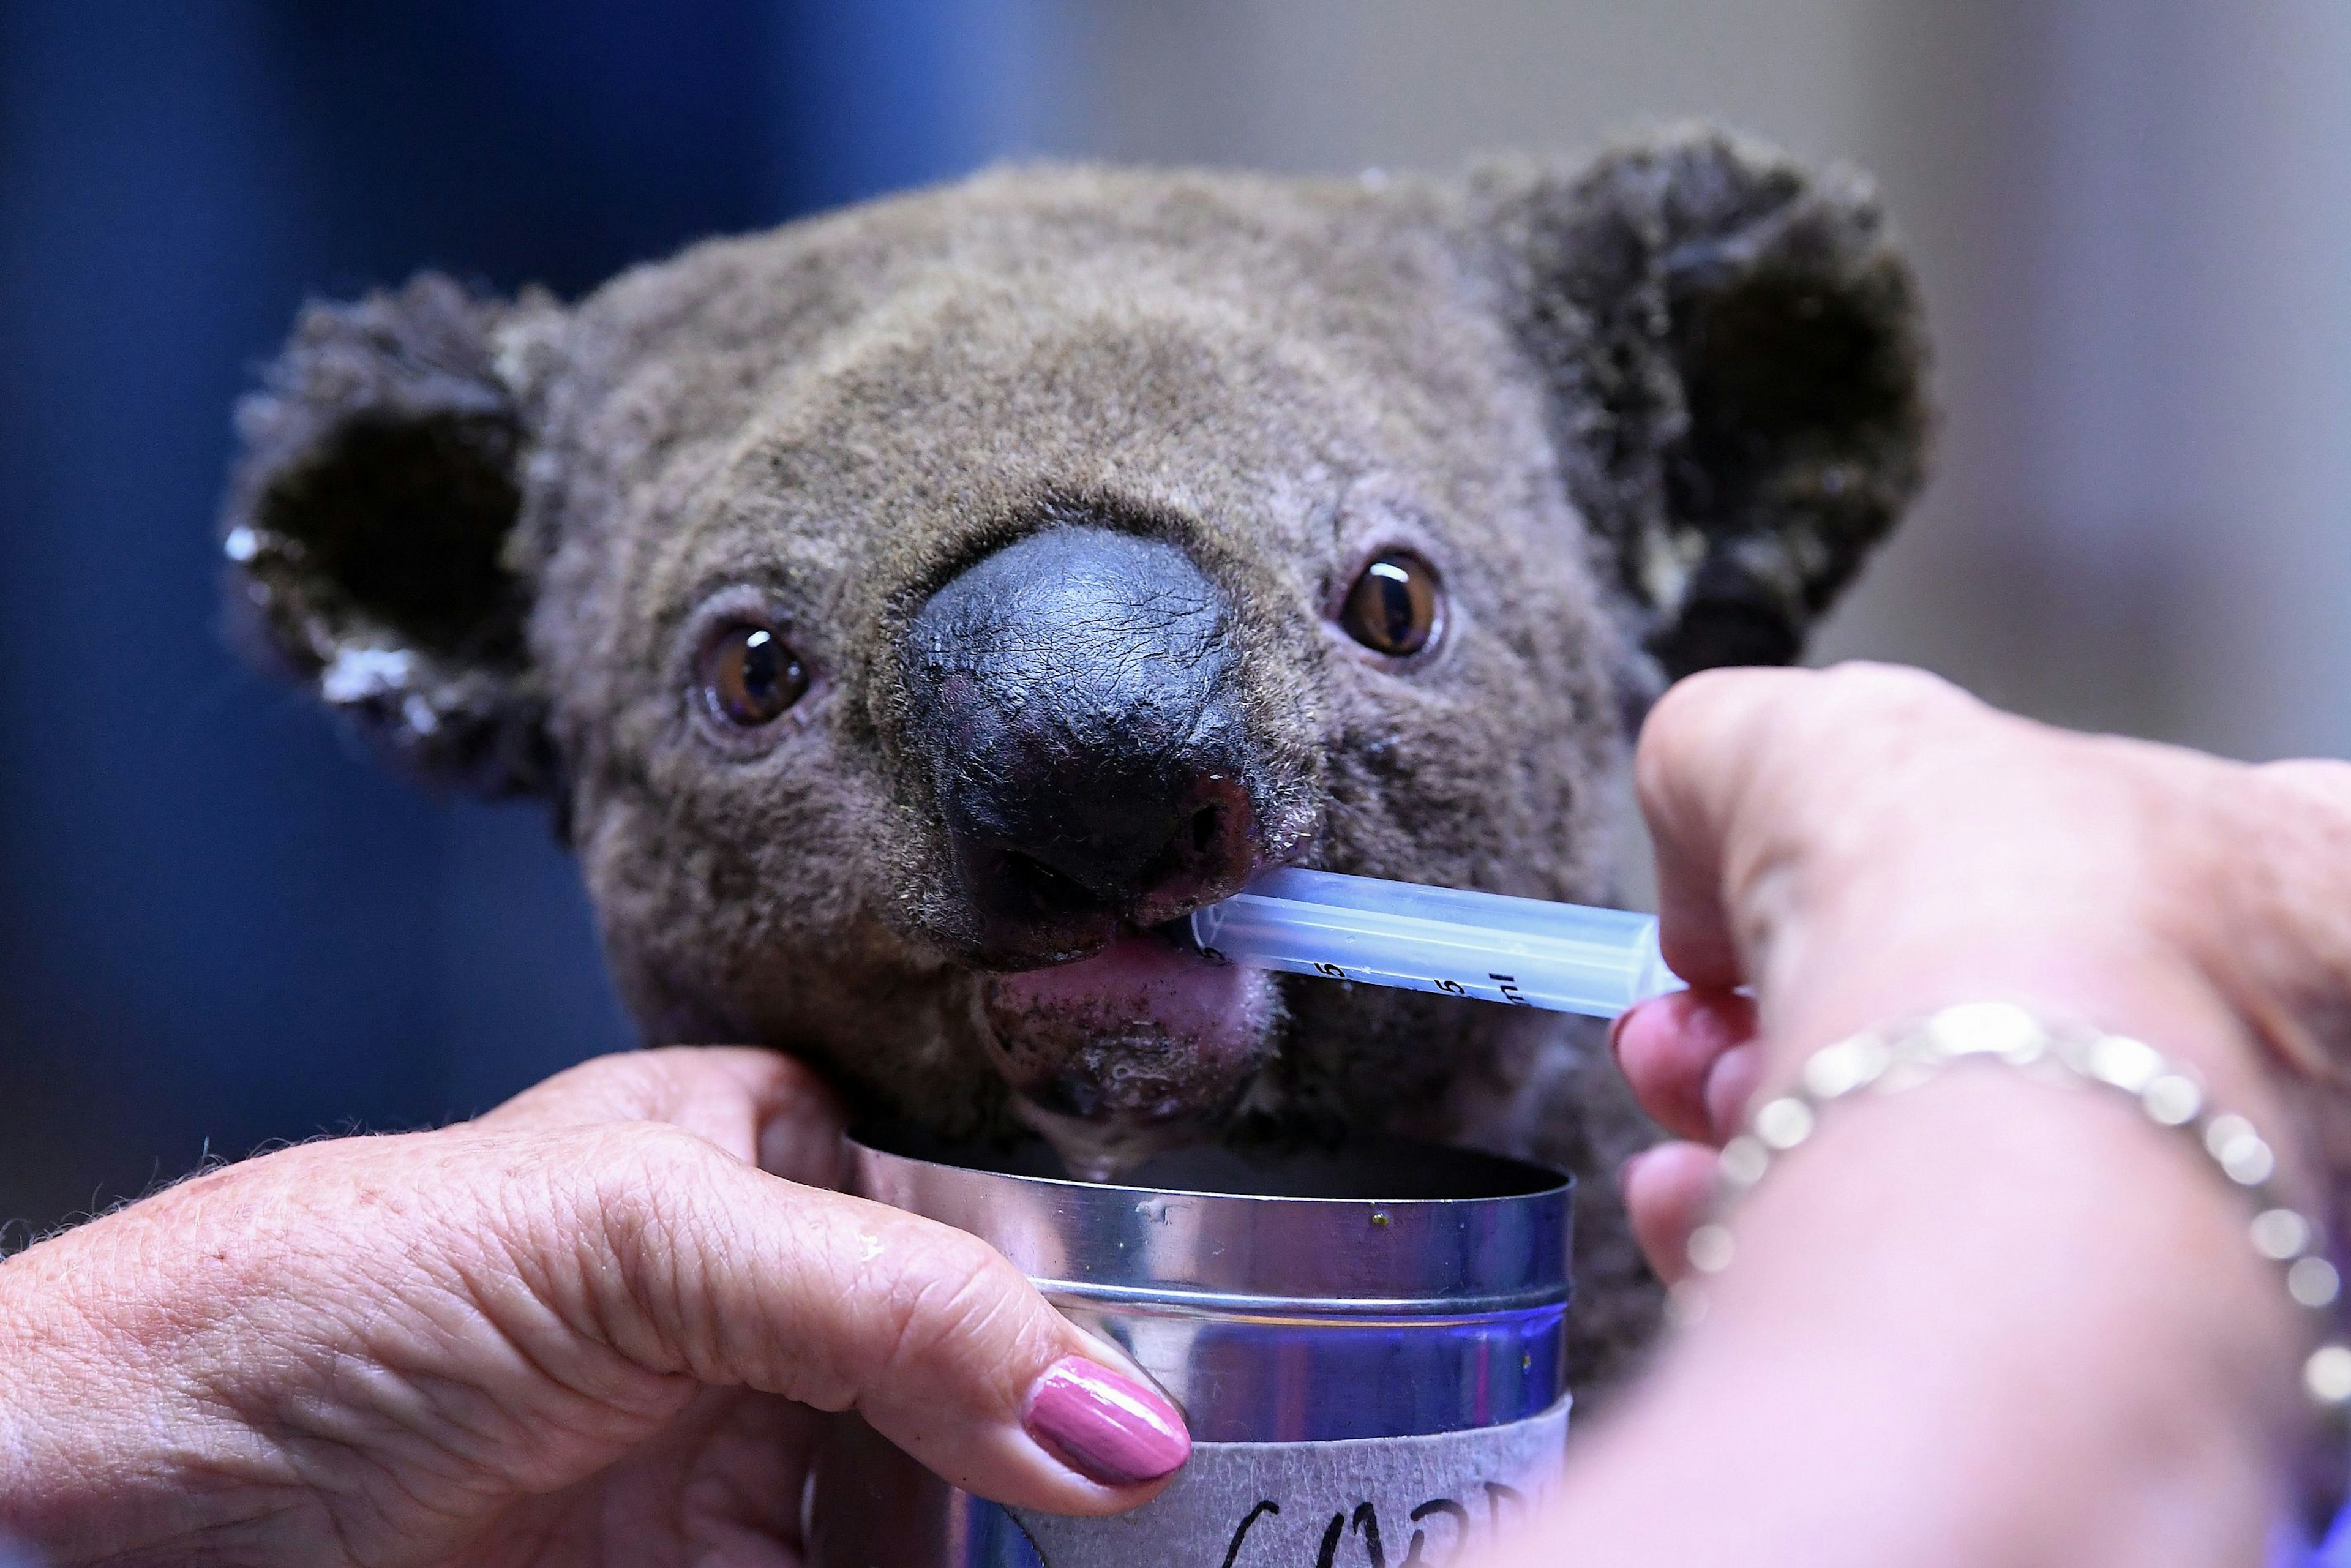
(1108, 1428)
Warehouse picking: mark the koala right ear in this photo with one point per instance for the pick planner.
(1736, 362)
(368, 528)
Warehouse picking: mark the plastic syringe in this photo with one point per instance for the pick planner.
(1567, 957)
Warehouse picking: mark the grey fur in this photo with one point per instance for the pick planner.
(1642, 414)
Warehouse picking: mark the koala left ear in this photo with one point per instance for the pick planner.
(1737, 368)
(369, 528)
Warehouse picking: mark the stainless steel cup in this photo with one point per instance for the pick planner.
(1367, 1347)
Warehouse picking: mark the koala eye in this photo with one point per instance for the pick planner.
(750, 676)
(1392, 607)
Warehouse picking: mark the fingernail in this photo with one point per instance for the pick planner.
(1625, 1171)
(1616, 1031)
(1730, 1084)
(1108, 1428)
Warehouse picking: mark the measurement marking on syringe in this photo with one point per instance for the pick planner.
(1358, 931)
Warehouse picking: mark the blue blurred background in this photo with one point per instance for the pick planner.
(220, 922)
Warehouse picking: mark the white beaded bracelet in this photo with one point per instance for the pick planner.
(2002, 1031)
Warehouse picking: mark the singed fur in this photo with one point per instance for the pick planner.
(1640, 416)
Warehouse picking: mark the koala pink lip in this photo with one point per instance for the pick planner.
(1178, 984)
(1144, 1035)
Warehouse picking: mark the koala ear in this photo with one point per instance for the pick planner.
(369, 528)
(1737, 372)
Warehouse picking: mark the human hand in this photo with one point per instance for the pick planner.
(1868, 843)
(598, 1324)
(1982, 1322)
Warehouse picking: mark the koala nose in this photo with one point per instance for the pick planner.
(1078, 699)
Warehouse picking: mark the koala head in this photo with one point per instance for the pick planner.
(914, 612)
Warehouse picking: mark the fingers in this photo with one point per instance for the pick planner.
(1694, 1061)
(1665, 1192)
(1690, 769)
(689, 1262)
(1731, 1087)
(1741, 770)
(758, 1105)
(1689, 1060)
(1746, 776)
(699, 1264)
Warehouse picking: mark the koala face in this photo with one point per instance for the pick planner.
(916, 612)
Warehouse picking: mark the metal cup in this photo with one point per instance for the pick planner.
(1367, 1346)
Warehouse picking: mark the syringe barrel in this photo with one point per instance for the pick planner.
(1561, 956)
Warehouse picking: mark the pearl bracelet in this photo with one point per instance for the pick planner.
(2003, 1032)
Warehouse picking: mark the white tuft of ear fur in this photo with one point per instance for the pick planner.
(1736, 366)
(368, 526)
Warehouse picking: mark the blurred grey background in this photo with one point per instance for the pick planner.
(2132, 218)
(219, 923)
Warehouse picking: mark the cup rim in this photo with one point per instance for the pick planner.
(1177, 1249)
(1509, 1177)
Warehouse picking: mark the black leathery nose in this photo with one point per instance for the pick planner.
(1077, 696)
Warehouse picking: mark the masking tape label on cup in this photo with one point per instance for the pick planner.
(1378, 1503)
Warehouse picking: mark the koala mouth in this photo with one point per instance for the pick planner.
(1145, 1046)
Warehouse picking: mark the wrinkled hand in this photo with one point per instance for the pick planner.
(1868, 843)
(597, 1324)
(1984, 1320)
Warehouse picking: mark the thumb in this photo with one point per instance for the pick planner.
(1748, 778)
(758, 1105)
(687, 1259)
(1692, 769)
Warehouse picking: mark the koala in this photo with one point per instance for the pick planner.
(913, 614)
